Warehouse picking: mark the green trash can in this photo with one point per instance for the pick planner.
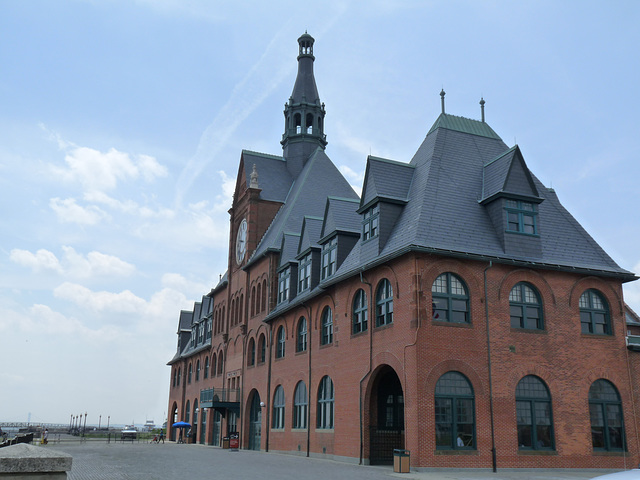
(401, 460)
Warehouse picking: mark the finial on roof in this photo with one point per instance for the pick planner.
(482, 108)
(442, 94)
(254, 178)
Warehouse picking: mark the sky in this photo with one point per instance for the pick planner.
(122, 123)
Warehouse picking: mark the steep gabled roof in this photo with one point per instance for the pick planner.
(508, 173)
(289, 247)
(307, 197)
(386, 179)
(340, 216)
(310, 233)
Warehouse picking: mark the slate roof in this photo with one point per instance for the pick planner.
(273, 177)
(386, 179)
(289, 248)
(340, 216)
(310, 233)
(461, 162)
(307, 197)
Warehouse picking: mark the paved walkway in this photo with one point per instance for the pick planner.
(117, 461)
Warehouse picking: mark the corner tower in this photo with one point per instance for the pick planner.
(303, 113)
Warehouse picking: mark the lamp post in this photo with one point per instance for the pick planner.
(70, 420)
(99, 420)
(108, 418)
(84, 429)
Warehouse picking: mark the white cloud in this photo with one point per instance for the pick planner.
(129, 206)
(224, 199)
(39, 261)
(73, 263)
(354, 178)
(68, 211)
(177, 282)
(123, 302)
(101, 171)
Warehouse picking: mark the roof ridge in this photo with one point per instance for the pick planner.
(264, 155)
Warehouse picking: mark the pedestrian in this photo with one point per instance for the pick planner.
(161, 435)
(45, 436)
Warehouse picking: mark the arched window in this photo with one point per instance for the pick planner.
(525, 307)
(309, 123)
(360, 312)
(179, 376)
(240, 309)
(327, 327)
(175, 376)
(214, 365)
(455, 412)
(198, 371)
(301, 343)
(206, 367)
(220, 363)
(187, 412)
(450, 299)
(262, 349)
(258, 298)
(297, 120)
(384, 303)
(253, 300)
(280, 338)
(263, 305)
(325, 403)
(605, 410)
(533, 411)
(251, 353)
(190, 373)
(278, 408)
(594, 313)
(195, 418)
(300, 406)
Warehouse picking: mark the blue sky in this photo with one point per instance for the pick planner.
(122, 123)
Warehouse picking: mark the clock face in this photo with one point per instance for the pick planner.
(241, 242)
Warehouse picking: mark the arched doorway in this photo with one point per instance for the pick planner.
(386, 417)
(174, 419)
(255, 423)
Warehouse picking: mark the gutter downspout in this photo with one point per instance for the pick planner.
(491, 414)
(370, 328)
(309, 343)
(266, 446)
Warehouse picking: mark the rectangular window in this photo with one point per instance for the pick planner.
(329, 258)
(304, 273)
(521, 217)
(370, 223)
(283, 285)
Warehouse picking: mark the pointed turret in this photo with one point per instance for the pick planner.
(303, 113)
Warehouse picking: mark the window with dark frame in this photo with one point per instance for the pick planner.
(605, 410)
(450, 299)
(525, 307)
(278, 408)
(455, 413)
(360, 312)
(327, 327)
(521, 217)
(594, 313)
(533, 412)
(283, 285)
(329, 257)
(301, 343)
(325, 404)
(370, 223)
(384, 303)
(281, 343)
(304, 273)
(300, 406)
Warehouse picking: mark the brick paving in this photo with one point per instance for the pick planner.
(118, 461)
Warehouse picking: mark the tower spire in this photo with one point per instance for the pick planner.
(303, 113)
(442, 94)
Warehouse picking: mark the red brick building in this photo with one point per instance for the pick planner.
(455, 310)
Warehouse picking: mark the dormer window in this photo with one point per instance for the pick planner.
(283, 285)
(521, 217)
(329, 257)
(304, 273)
(370, 223)
(194, 335)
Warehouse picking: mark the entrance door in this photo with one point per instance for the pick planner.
(255, 423)
(387, 422)
(217, 422)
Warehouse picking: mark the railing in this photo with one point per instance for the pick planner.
(211, 395)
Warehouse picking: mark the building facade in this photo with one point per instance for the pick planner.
(455, 310)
